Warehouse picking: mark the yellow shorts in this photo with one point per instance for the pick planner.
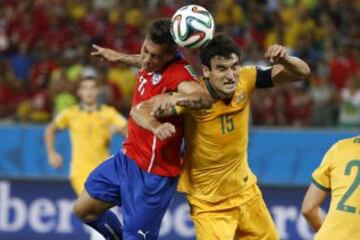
(247, 220)
(78, 176)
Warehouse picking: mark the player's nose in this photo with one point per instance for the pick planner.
(230, 75)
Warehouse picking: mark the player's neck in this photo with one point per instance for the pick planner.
(214, 93)
(89, 107)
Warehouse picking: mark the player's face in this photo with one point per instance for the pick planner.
(224, 74)
(154, 56)
(88, 92)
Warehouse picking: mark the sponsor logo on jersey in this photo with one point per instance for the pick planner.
(240, 97)
(156, 78)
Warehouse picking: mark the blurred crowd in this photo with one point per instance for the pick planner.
(45, 49)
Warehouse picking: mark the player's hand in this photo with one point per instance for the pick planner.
(105, 53)
(164, 131)
(276, 53)
(55, 160)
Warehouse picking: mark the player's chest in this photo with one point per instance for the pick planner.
(88, 123)
(221, 127)
(236, 107)
(148, 85)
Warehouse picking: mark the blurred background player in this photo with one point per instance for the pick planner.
(224, 198)
(339, 175)
(91, 127)
(142, 178)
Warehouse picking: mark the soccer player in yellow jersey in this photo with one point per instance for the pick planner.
(225, 201)
(91, 127)
(338, 174)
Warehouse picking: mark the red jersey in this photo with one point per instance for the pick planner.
(152, 154)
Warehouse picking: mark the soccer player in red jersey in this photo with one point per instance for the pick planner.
(142, 178)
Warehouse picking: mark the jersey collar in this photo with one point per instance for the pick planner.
(82, 107)
(211, 89)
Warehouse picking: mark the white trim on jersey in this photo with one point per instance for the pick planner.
(112, 231)
(153, 154)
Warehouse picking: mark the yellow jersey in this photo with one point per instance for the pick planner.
(90, 135)
(339, 172)
(215, 163)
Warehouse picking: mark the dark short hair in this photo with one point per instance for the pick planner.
(221, 45)
(159, 33)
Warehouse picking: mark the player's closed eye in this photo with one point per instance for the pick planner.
(156, 57)
(221, 69)
(235, 67)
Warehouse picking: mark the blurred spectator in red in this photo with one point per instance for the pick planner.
(12, 91)
(349, 115)
(342, 65)
(268, 107)
(323, 95)
(298, 105)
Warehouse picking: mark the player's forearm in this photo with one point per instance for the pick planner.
(296, 66)
(314, 218)
(141, 114)
(130, 59)
(196, 100)
(49, 138)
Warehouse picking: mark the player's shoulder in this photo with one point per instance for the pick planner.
(352, 141)
(180, 66)
(345, 145)
(71, 110)
(247, 77)
(248, 72)
(107, 108)
(247, 69)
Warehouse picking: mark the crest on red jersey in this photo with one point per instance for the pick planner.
(156, 78)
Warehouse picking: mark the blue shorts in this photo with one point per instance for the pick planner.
(144, 196)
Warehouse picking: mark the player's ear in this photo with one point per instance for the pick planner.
(205, 71)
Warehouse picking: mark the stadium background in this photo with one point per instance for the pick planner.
(44, 50)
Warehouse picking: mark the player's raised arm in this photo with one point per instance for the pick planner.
(286, 68)
(114, 56)
(311, 206)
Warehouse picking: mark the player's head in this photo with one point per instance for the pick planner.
(88, 90)
(221, 63)
(159, 47)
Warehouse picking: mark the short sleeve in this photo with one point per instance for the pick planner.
(321, 175)
(248, 78)
(63, 119)
(117, 119)
(180, 73)
(263, 77)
